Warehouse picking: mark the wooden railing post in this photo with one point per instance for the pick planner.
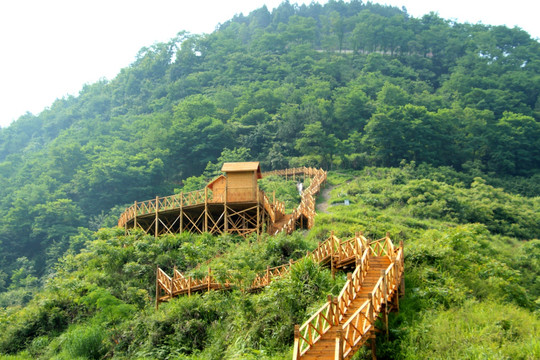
(356, 250)
(181, 211)
(384, 285)
(156, 229)
(135, 215)
(157, 287)
(296, 348)
(258, 214)
(205, 209)
(225, 214)
(371, 310)
(337, 310)
(339, 249)
(332, 270)
(189, 287)
(331, 310)
(209, 277)
(339, 344)
(384, 304)
(351, 287)
(402, 265)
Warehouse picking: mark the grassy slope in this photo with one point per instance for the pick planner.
(471, 291)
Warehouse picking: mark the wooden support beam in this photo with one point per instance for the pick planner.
(373, 347)
(332, 267)
(135, 216)
(384, 304)
(181, 211)
(258, 215)
(296, 347)
(226, 217)
(157, 287)
(339, 343)
(156, 229)
(205, 209)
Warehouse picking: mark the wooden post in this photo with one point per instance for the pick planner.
(385, 302)
(258, 215)
(205, 209)
(370, 314)
(209, 276)
(396, 295)
(189, 287)
(373, 347)
(135, 216)
(331, 310)
(351, 290)
(156, 229)
(339, 344)
(157, 287)
(339, 248)
(181, 211)
(225, 214)
(337, 310)
(296, 347)
(332, 255)
(171, 289)
(402, 284)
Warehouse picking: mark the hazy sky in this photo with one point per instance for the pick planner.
(51, 48)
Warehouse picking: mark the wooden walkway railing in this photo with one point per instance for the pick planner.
(306, 208)
(334, 252)
(169, 214)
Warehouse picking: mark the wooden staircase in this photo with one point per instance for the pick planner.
(344, 324)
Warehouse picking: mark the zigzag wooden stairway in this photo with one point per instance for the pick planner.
(344, 324)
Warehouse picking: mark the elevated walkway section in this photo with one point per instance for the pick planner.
(231, 203)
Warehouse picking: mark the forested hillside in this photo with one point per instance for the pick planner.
(353, 87)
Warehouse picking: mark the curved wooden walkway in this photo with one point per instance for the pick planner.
(207, 211)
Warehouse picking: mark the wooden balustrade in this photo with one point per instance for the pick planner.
(356, 327)
(359, 326)
(315, 327)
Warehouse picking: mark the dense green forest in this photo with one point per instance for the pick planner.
(430, 127)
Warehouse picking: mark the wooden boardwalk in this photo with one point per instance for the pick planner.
(220, 212)
(343, 324)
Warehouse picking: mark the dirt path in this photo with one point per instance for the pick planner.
(322, 207)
